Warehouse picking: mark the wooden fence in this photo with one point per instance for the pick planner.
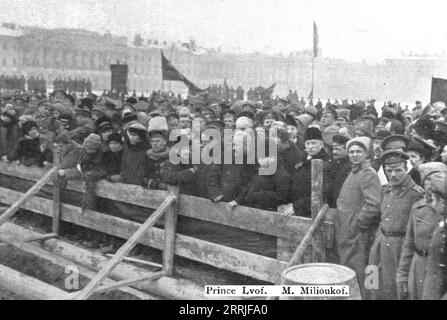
(288, 231)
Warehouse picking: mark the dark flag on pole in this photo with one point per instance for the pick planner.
(315, 40)
(170, 73)
(438, 90)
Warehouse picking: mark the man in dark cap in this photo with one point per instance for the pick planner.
(229, 119)
(84, 126)
(398, 196)
(301, 180)
(328, 116)
(396, 141)
(424, 219)
(208, 114)
(338, 168)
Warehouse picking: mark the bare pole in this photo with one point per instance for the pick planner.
(313, 75)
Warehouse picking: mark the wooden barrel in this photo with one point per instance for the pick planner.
(321, 274)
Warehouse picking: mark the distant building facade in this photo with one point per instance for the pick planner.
(70, 53)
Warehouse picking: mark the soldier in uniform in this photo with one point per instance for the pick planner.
(398, 196)
(435, 284)
(424, 218)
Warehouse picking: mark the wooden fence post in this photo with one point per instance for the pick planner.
(170, 230)
(56, 192)
(318, 242)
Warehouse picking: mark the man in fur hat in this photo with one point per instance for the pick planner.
(358, 210)
(300, 192)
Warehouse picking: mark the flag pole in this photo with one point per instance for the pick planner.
(313, 74)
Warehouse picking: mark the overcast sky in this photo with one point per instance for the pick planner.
(350, 29)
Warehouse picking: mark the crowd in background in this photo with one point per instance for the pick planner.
(383, 174)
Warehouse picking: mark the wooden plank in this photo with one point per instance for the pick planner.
(318, 242)
(28, 287)
(19, 202)
(148, 263)
(242, 262)
(127, 193)
(56, 193)
(88, 263)
(125, 249)
(58, 261)
(128, 282)
(170, 228)
(261, 221)
(42, 237)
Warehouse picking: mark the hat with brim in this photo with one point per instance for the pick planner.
(393, 157)
(396, 141)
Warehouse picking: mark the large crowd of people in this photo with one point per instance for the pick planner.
(385, 175)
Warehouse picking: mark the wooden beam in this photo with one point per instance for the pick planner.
(170, 228)
(168, 287)
(318, 242)
(35, 188)
(56, 193)
(222, 257)
(128, 282)
(148, 263)
(28, 287)
(42, 237)
(298, 255)
(125, 249)
(17, 241)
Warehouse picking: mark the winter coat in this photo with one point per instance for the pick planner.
(9, 139)
(28, 151)
(266, 192)
(386, 249)
(70, 160)
(133, 163)
(228, 180)
(153, 164)
(357, 218)
(413, 260)
(291, 157)
(300, 189)
(179, 174)
(336, 173)
(435, 284)
(112, 162)
(201, 181)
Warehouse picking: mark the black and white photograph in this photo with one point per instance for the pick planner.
(243, 152)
